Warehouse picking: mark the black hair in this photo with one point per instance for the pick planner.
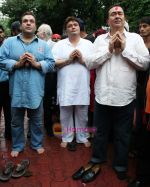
(2, 28)
(145, 19)
(81, 24)
(70, 18)
(15, 26)
(112, 6)
(27, 13)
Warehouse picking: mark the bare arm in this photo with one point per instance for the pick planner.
(61, 63)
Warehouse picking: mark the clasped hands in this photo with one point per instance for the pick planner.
(117, 43)
(27, 60)
(75, 55)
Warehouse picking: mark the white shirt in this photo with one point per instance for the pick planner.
(115, 83)
(51, 43)
(73, 80)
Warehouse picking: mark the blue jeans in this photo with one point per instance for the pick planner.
(17, 126)
(120, 119)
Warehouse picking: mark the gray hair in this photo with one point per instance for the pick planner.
(45, 28)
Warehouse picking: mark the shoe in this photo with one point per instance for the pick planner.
(6, 174)
(71, 146)
(79, 173)
(121, 175)
(135, 183)
(91, 174)
(21, 169)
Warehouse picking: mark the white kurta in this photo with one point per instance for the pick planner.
(73, 81)
(116, 79)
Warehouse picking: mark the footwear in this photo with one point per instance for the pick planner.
(79, 173)
(21, 169)
(71, 146)
(135, 183)
(121, 175)
(91, 173)
(6, 174)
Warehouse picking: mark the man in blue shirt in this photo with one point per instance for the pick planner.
(28, 59)
(4, 94)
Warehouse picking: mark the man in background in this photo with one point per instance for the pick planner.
(4, 94)
(50, 92)
(143, 117)
(15, 28)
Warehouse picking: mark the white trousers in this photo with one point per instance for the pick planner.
(74, 125)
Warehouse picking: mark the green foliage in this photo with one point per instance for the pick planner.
(5, 24)
(135, 10)
(93, 12)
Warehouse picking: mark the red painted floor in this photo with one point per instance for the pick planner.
(55, 167)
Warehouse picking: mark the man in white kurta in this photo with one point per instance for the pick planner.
(73, 84)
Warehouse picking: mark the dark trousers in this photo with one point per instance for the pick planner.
(120, 120)
(143, 155)
(49, 100)
(6, 106)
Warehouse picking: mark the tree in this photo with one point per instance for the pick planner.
(135, 10)
(93, 12)
(5, 22)
(54, 12)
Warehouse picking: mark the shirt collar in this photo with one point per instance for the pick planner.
(107, 35)
(35, 38)
(69, 43)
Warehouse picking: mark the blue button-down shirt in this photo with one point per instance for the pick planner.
(3, 76)
(26, 84)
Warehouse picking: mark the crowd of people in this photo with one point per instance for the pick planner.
(103, 78)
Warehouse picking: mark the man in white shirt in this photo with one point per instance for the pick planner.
(118, 54)
(73, 84)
